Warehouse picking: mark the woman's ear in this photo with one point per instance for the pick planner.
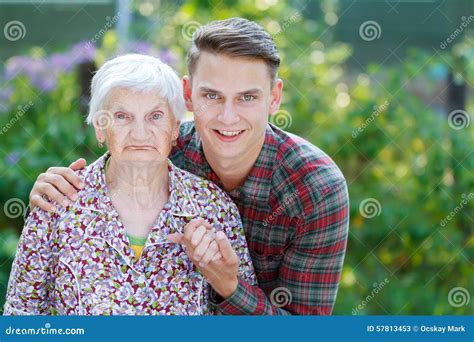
(176, 130)
(276, 96)
(187, 92)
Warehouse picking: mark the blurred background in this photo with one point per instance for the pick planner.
(386, 88)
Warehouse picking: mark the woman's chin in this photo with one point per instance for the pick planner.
(142, 156)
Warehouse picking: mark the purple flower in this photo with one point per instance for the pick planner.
(167, 56)
(12, 158)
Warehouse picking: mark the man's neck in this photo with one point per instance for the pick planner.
(233, 172)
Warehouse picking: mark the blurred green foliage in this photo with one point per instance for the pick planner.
(406, 155)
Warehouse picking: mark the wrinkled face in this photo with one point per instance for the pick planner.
(231, 98)
(136, 126)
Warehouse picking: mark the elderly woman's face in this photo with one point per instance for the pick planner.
(140, 126)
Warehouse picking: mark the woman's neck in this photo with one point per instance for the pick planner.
(143, 184)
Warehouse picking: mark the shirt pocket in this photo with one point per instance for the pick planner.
(267, 267)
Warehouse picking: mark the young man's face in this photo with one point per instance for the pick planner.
(231, 98)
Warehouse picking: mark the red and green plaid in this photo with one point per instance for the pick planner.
(294, 207)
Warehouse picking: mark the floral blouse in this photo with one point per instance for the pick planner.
(78, 261)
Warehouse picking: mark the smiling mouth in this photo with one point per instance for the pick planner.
(229, 133)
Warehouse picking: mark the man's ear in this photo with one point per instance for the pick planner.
(276, 96)
(187, 92)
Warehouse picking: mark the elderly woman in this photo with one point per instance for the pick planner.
(107, 253)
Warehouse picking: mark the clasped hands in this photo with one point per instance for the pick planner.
(212, 253)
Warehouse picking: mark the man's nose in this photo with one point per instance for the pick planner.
(229, 115)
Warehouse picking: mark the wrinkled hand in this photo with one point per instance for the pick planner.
(212, 253)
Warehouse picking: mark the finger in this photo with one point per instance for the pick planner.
(46, 189)
(198, 235)
(63, 186)
(191, 227)
(38, 201)
(203, 246)
(217, 257)
(175, 237)
(78, 164)
(211, 251)
(224, 246)
(68, 174)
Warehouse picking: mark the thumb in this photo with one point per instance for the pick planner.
(224, 246)
(78, 164)
(175, 237)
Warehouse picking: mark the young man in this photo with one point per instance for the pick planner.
(291, 196)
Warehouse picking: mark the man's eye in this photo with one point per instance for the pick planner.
(248, 98)
(157, 116)
(211, 96)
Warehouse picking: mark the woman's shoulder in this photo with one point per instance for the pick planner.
(92, 174)
(200, 188)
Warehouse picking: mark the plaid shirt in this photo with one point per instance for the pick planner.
(294, 207)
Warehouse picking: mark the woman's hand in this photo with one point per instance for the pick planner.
(59, 184)
(212, 253)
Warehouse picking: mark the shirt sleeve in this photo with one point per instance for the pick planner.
(311, 267)
(30, 277)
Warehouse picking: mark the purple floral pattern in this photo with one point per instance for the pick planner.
(78, 261)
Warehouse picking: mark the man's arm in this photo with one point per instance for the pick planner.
(59, 184)
(311, 267)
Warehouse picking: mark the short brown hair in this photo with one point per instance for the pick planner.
(235, 37)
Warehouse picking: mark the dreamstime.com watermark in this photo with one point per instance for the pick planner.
(19, 113)
(287, 200)
(457, 209)
(377, 287)
(287, 23)
(452, 37)
(109, 23)
(46, 330)
(375, 113)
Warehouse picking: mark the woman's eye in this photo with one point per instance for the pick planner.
(120, 116)
(248, 98)
(157, 116)
(211, 96)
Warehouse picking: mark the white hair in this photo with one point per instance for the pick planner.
(139, 73)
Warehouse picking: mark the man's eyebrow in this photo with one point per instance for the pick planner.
(251, 91)
(209, 90)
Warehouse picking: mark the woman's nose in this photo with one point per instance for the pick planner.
(139, 130)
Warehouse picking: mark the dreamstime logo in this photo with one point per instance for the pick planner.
(377, 287)
(282, 119)
(370, 30)
(14, 30)
(375, 113)
(452, 37)
(370, 208)
(109, 23)
(19, 114)
(287, 23)
(189, 28)
(457, 209)
(14, 208)
(281, 297)
(458, 296)
(103, 119)
(458, 119)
